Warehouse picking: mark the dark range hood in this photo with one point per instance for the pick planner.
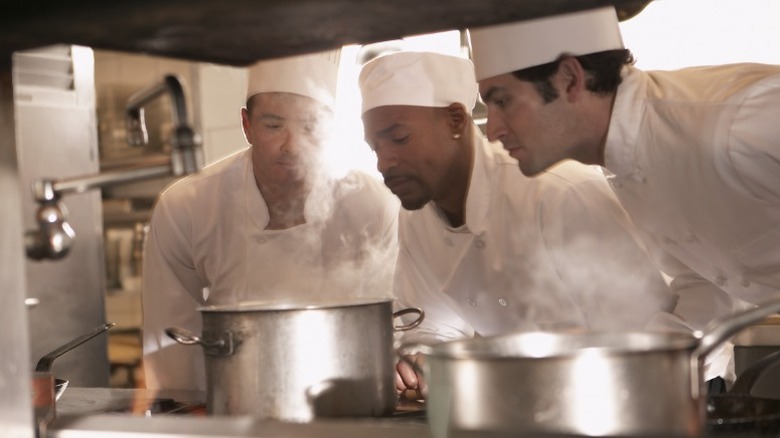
(238, 32)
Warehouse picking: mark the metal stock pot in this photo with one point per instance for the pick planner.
(296, 362)
(596, 384)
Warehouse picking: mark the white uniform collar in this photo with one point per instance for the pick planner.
(318, 207)
(478, 193)
(627, 111)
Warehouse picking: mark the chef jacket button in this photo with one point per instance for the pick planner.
(720, 281)
(472, 302)
(448, 241)
(480, 244)
(502, 302)
(745, 282)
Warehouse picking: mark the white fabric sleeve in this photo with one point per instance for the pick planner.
(754, 141)
(584, 226)
(172, 292)
(699, 302)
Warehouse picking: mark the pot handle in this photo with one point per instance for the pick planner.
(221, 346)
(721, 329)
(413, 324)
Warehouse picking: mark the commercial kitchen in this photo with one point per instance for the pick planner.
(92, 171)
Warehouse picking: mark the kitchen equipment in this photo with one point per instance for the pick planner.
(46, 390)
(738, 411)
(576, 383)
(754, 343)
(44, 364)
(296, 362)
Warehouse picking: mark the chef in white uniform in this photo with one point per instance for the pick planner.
(693, 155)
(266, 223)
(485, 250)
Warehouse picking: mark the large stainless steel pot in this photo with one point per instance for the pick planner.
(598, 384)
(297, 362)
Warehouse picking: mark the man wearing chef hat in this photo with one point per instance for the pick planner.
(693, 155)
(485, 250)
(266, 223)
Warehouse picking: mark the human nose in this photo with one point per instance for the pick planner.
(295, 140)
(385, 159)
(495, 127)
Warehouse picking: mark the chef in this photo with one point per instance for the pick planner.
(693, 155)
(485, 250)
(266, 223)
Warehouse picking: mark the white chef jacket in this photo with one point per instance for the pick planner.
(550, 252)
(695, 158)
(207, 245)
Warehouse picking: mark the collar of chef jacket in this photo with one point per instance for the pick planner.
(620, 149)
(318, 207)
(480, 185)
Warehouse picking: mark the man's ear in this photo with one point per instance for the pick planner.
(245, 123)
(571, 78)
(458, 117)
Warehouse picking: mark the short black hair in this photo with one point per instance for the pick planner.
(603, 68)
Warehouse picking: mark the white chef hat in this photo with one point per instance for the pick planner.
(313, 75)
(418, 79)
(509, 47)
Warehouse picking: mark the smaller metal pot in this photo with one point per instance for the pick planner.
(573, 383)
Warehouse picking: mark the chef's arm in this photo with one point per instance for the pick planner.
(600, 258)
(170, 298)
(698, 303)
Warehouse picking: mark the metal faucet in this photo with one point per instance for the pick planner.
(54, 236)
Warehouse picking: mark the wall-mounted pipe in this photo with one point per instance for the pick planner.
(54, 235)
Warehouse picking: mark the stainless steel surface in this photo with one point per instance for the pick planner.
(123, 426)
(579, 383)
(297, 363)
(238, 32)
(16, 415)
(137, 172)
(44, 364)
(54, 236)
(57, 138)
(134, 114)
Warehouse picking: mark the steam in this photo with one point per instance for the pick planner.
(599, 282)
(343, 251)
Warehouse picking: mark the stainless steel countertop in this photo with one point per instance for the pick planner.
(102, 412)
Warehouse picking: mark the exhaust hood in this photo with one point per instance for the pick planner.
(239, 32)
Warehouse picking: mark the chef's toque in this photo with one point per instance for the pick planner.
(313, 75)
(509, 47)
(418, 79)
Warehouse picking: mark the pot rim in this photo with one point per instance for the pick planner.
(556, 345)
(278, 305)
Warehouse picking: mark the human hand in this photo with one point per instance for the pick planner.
(408, 382)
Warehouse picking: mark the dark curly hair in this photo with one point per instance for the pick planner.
(603, 69)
